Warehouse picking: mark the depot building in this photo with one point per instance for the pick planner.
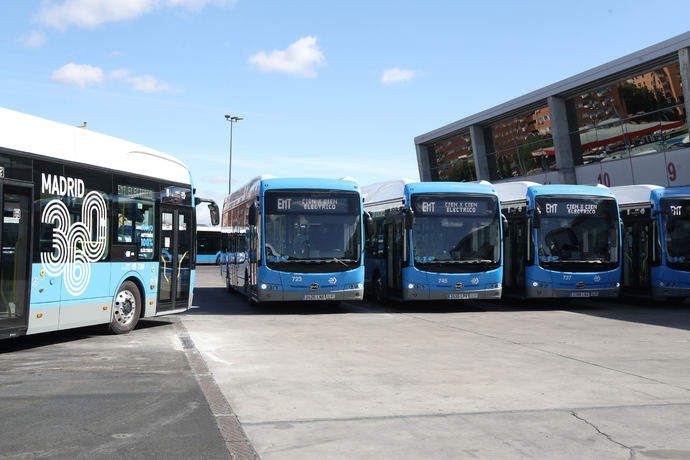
(624, 122)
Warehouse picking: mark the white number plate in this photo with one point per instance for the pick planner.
(318, 297)
(584, 294)
(464, 295)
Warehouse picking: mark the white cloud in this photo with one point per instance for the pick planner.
(299, 59)
(84, 75)
(33, 39)
(396, 75)
(92, 13)
(143, 83)
(81, 75)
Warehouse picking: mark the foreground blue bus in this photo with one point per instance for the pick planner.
(433, 240)
(302, 240)
(656, 240)
(95, 230)
(564, 240)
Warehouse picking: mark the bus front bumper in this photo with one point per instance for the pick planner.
(299, 296)
(437, 294)
(545, 292)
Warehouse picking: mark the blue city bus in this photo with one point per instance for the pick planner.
(564, 240)
(302, 240)
(209, 242)
(433, 240)
(95, 230)
(656, 240)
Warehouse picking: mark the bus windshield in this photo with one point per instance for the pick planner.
(577, 234)
(455, 233)
(676, 214)
(312, 231)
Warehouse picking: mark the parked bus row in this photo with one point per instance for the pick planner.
(324, 239)
(94, 230)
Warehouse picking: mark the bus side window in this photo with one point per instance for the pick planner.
(136, 218)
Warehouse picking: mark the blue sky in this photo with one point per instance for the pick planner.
(326, 89)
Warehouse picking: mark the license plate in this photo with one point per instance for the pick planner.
(463, 295)
(318, 297)
(584, 294)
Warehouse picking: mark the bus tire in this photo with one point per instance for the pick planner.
(126, 309)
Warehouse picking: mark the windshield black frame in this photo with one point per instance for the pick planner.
(295, 238)
(580, 214)
(478, 246)
(676, 224)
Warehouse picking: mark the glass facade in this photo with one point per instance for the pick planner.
(454, 158)
(639, 115)
(522, 145)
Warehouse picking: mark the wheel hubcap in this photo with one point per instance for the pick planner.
(125, 306)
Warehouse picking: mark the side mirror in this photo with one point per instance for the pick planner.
(409, 219)
(506, 229)
(214, 212)
(251, 217)
(368, 224)
(213, 209)
(536, 218)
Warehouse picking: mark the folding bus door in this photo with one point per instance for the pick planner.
(636, 256)
(394, 252)
(15, 261)
(176, 259)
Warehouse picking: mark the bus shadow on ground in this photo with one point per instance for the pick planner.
(666, 313)
(217, 301)
(29, 342)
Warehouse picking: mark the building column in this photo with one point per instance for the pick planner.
(481, 161)
(684, 60)
(561, 140)
(423, 163)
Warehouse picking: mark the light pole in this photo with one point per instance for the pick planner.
(232, 119)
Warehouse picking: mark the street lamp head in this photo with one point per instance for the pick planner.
(233, 118)
(227, 117)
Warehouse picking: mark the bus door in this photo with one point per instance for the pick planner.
(393, 231)
(176, 259)
(515, 253)
(15, 241)
(636, 255)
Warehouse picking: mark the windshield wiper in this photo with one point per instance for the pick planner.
(338, 260)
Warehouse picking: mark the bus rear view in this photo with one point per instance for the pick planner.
(564, 240)
(433, 241)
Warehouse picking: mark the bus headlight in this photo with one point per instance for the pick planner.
(535, 284)
(410, 286)
(263, 286)
(618, 285)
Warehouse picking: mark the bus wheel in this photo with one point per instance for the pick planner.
(126, 309)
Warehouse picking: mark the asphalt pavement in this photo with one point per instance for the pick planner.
(480, 379)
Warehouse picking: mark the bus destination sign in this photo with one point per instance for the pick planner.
(575, 207)
(453, 206)
(291, 203)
